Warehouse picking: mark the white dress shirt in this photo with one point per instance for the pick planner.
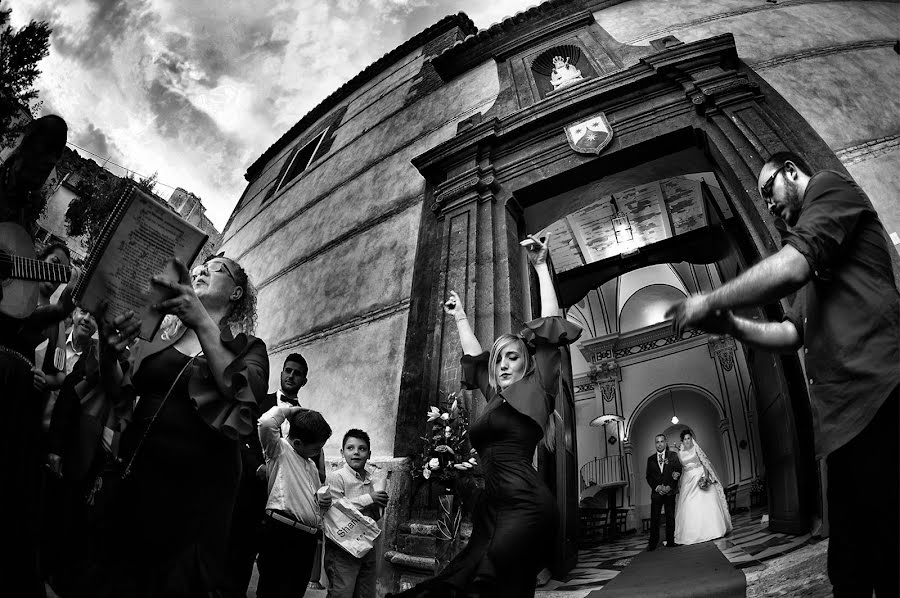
(293, 479)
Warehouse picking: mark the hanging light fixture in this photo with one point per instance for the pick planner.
(672, 400)
(622, 229)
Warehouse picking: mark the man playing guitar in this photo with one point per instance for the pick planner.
(21, 326)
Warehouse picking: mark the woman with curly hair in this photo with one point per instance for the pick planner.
(189, 395)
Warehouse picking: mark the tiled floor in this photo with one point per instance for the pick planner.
(749, 545)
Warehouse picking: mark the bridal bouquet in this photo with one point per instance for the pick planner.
(445, 455)
(704, 482)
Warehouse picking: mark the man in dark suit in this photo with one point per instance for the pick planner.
(253, 492)
(663, 471)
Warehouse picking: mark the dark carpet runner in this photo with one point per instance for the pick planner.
(683, 571)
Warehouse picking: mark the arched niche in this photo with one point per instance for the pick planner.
(697, 411)
(648, 306)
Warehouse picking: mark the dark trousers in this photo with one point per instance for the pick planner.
(348, 576)
(863, 494)
(285, 560)
(243, 545)
(656, 504)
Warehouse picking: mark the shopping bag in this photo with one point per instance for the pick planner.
(350, 529)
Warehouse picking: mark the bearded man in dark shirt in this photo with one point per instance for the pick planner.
(847, 316)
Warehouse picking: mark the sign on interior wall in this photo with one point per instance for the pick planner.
(623, 222)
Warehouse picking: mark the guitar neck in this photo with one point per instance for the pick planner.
(31, 269)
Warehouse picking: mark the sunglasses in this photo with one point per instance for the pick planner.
(766, 190)
(212, 267)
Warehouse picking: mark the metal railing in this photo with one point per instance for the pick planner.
(604, 472)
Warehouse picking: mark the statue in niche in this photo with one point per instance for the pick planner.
(563, 73)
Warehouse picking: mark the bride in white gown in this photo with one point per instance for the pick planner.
(700, 514)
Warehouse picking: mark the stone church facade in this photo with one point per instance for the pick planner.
(421, 174)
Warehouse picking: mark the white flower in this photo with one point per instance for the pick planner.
(433, 413)
(426, 473)
(445, 416)
(434, 463)
(454, 405)
(473, 461)
(448, 432)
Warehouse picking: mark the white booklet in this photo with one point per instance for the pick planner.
(138, 241)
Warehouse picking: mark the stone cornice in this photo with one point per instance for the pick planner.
(612, 347)
(712, 60)
(460, 20)
(509, 37)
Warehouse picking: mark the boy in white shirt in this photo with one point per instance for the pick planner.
(294, 508)
(348, 576)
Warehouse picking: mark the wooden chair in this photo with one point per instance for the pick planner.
(731, 497)
(594, 524)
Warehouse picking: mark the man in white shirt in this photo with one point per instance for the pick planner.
(291, 527)
(80, 339)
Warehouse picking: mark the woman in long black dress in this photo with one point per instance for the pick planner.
(516, 519)
(171, 525)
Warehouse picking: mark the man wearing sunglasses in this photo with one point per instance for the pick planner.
(847, 316)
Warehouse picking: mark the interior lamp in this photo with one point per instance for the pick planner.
(672, 400)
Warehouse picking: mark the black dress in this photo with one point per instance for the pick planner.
(515, 521)
(169, 528)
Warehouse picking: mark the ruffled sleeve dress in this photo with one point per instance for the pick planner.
(515, 520)
(175, 511)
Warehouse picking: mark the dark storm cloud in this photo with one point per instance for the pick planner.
(176, 118)
(95, 140)
(110, 22)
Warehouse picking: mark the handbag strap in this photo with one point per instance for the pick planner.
(153, 419)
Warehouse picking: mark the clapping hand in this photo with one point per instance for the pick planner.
(184, 302)
(115, 336)
(40, 379)
(454, 307)
(695, 311)
(538, 249)
(380, 498)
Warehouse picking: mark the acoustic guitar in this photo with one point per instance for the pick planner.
(21, 272)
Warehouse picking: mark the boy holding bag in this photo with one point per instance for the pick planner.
(349, 576)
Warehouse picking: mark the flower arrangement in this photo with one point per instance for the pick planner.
(703, 482)
(445, 455)
(757, 486)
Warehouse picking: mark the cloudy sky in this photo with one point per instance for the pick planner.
(196, 90)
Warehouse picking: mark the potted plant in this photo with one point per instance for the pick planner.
(757, 492)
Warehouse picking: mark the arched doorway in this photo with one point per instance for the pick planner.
(505, 175)
(695, 410)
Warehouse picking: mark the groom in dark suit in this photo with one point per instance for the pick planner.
(663, 471)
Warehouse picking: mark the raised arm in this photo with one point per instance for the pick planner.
(776, 276)
(538, 252)
(453, 307)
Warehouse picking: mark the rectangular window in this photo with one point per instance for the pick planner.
(301, 160)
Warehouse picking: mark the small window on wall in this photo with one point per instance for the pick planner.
(300, 161)
(559, 67)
